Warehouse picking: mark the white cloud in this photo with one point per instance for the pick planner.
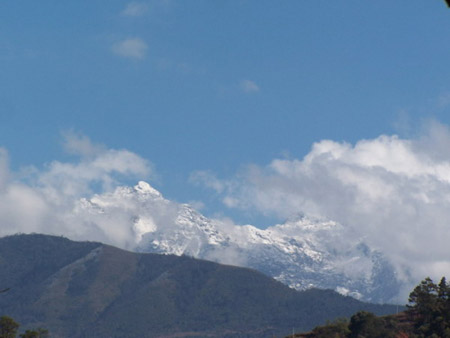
(135, 9)
(132, 48)
(102, 167)
(45, 200)
(248, 86)
(208, 179)
(394, 192)
(4, 168)
(81, 145)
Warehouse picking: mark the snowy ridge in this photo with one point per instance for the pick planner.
(301, 253)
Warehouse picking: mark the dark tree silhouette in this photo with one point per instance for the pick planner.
(8, 327)
(429, 308)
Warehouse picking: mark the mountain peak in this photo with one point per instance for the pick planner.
(303, 252)
(146, 189)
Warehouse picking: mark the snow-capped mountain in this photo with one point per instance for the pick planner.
(302, 252)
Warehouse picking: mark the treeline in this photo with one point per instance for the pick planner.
(9, 329)
(427, 315)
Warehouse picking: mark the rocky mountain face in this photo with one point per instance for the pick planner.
(302, 253)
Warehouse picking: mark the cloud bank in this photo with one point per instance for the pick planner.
(45, 200)
(393, 192)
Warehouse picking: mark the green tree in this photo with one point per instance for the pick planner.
(430, 308)
(424, 297)
(335, 329)
(38, 333)
(366, 324)
(8, 327)
(443, 290)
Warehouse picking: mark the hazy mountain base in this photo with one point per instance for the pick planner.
(85, 289)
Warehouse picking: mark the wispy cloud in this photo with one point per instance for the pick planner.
(248, 86)
(394, 192)
(135, 9)
(80, 145)
(132, 48)
(208, 179)
(443, 100)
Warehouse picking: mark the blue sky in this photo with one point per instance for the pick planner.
(217, 85)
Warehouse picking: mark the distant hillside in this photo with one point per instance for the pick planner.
(86, 289)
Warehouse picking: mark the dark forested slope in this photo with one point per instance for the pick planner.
(84, 289)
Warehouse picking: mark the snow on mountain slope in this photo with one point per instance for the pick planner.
(301, 253)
